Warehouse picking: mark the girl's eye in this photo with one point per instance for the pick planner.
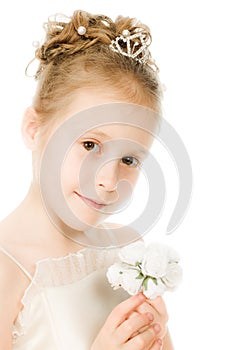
(91, 146)
(130, 161)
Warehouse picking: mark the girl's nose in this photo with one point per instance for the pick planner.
(108, 176)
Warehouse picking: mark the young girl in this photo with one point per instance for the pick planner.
(53, 290)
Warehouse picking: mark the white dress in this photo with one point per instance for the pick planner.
(67, 301)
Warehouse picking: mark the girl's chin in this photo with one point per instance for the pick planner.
(89, 218)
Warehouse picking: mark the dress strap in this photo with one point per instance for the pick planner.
(3, 250)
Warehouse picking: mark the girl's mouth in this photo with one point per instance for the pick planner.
(91, 202)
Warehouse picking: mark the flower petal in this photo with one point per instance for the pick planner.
(132, 253)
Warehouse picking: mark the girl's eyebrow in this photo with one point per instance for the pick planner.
(143, 152)
(98, 132)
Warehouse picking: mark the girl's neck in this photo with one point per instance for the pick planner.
(29, 223)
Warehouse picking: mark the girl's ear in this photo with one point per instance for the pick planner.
(30, 128)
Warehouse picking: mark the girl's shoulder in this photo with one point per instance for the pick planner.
(12, 286)
(13, 280)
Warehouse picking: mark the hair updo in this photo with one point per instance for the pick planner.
(69, 61)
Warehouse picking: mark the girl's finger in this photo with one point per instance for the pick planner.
(158, 344)
(160, 315)
(142, 341)
(146, 307)
(133, 314)
(121, 312)
(159, 305)
(132, 326)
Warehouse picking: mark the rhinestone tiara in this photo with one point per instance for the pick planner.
(126, 45)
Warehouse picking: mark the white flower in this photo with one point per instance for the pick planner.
(152, 290)
(155, 260)
(130, 282)
(114, 275)
(173, 276)
(120, 275)
(152, 270)
(172, 255)
(132, 253)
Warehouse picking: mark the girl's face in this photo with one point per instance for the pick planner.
(101, 168)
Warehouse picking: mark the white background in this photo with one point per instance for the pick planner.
(192, 44)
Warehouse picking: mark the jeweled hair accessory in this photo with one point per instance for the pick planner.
(126, 45)
(81, 30)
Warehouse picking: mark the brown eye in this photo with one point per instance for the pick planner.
(91, 146)
(130, 161)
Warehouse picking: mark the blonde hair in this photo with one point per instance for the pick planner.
(69, 61)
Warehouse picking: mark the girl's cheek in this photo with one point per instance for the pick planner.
(131, 175)
(126, 190)
(70, 170)
(74, 159)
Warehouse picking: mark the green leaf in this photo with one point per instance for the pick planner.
(154, 280)
(140, 276)
(145, 283)
(120, 272)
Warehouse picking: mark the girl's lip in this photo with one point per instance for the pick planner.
(91, 202)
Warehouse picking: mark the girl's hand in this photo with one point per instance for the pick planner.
(158, 309)
(123, 329)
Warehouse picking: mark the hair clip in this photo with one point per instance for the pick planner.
(130, 47)
(81, 30)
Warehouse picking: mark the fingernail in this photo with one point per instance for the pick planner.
(160, 342)
(157, 328)
(150, 316)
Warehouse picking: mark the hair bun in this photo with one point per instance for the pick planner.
(63, 35)
(76, 52)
